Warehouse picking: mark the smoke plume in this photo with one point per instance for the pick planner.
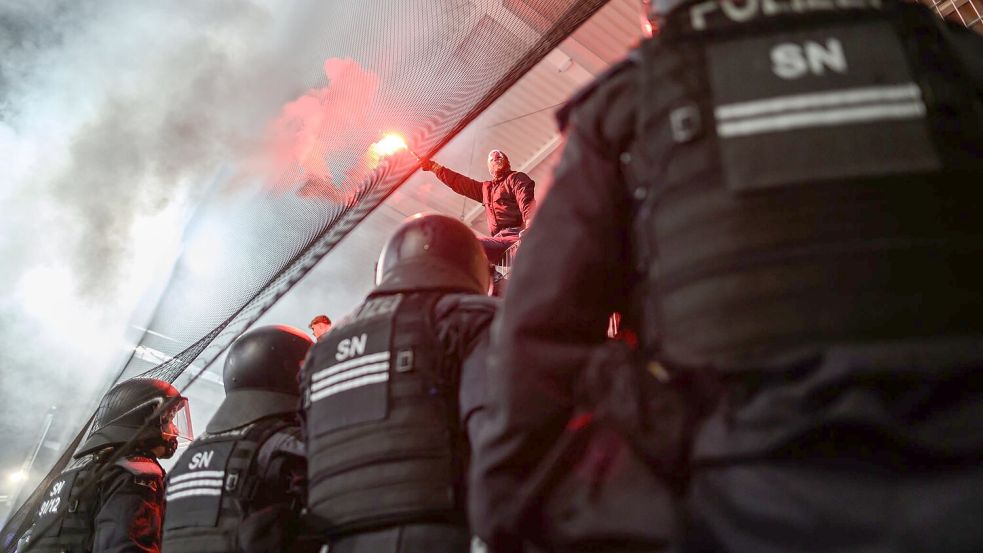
(114, 118)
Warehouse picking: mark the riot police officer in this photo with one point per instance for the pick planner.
(124, 510)
(389, 392)
(782, 199)
(239, 486)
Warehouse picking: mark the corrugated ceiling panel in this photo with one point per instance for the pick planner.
(612, 31)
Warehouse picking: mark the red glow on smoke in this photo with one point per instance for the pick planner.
(326, 131)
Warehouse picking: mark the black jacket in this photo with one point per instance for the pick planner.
(509, 200)
(131, 508)
(122, 514)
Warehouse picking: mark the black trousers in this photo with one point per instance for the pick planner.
(408, 538)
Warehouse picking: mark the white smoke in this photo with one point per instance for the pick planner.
(114, 117)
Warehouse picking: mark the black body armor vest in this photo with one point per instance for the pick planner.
(211, 488)
(803, 179)
(382, 435)
(74, 532)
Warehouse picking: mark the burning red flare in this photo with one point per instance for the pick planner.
(390, 144)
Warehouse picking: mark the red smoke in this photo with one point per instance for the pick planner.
(326, 131)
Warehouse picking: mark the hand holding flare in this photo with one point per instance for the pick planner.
(392, 143)
(425, 163)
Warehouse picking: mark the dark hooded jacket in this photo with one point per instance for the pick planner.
(509, 200)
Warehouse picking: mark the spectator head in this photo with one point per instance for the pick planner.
(319, 325)
(498, 163)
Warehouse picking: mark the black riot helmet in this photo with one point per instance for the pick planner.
(261, 376)
(432, 252)
(147, 410)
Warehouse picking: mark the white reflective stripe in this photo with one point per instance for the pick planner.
(204, 483)
(351, 363)
(847, 96)
(357, 371)
(821, 118)
(198, 474)
(193, 493)
(349, 384)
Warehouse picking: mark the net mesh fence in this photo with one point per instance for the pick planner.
(423, 69)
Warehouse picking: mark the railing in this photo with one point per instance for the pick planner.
(966, 12)
(504, 266)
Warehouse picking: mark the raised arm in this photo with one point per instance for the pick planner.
(457, 182)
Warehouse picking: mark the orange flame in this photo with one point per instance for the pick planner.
(388, 145)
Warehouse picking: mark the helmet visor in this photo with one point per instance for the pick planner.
(176, 421)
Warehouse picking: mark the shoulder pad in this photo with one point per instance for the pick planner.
(286, 442)
(139, 465)
(563, 114)
(228, 434)
(289, 441)
(83, 461)
(519, 175)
